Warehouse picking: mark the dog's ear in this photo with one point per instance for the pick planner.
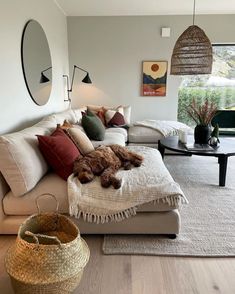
(75, 167)
(77, 164)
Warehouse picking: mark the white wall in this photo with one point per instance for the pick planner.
(17, 109)
(112, 50)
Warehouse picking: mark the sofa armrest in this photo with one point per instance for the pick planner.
(4, 188)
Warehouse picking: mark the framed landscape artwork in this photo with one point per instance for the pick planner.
(154, 78)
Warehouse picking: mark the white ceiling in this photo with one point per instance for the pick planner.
(144, 7)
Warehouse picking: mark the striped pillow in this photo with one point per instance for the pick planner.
(115, 117)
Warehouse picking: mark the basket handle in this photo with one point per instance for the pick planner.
(36, 236)
(46, 194)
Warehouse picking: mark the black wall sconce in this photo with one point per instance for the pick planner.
(43, 78)
(85, 80)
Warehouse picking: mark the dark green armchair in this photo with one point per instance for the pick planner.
(226, 121)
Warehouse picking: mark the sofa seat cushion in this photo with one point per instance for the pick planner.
(139, 134)
(109, 139)
(118, 131)
(51, 183)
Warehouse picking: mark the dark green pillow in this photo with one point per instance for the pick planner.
(93, 126)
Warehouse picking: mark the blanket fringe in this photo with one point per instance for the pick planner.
(101, 219)
(119, 216)
(171, 200)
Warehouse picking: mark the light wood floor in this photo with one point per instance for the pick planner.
(143, 274)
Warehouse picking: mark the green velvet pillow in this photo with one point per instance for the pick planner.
(93, 126)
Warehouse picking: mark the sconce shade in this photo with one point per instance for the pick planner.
(87, 79)
(192, 54)
(43, 79)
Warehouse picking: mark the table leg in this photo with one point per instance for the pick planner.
(161, 149)
(223, 160)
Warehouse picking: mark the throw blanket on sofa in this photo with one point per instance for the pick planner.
(165, 127)
(149, 183)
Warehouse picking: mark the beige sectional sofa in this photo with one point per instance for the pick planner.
(20, 151)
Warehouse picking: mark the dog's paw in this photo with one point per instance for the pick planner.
(116, 183)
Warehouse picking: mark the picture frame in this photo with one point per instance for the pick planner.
(154, 78)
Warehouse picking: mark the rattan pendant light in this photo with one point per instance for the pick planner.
(192, 54)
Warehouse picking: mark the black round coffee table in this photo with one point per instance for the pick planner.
(226, 149)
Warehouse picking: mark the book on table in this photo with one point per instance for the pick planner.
(199, 147)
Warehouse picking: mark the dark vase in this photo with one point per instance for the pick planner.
(202, 134)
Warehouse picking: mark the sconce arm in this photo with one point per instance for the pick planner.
(46, 69)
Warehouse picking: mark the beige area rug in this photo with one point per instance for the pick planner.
(208, 221)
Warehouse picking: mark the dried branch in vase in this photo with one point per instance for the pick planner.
(202, 114)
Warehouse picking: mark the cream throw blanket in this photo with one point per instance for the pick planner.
(165, 127)
(149, 183)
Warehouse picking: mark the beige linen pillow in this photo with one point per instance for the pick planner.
(21, 161)
(81, 140)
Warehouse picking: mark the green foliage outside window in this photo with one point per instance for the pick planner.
(218, 87)
(223, 97)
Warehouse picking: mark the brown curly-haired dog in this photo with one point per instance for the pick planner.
(105, 161)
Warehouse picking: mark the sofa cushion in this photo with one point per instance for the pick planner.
(109, 139)
(80, 139)
(68, 115)
(51, 183)
(93, 126)
(100, 112)
(114, 118)
(138, 134)
(121, 131)
(59, 151)
(126, 111)
(65, 126)
(78, 113)
(112, 136)
(127, 114)
(21, 161)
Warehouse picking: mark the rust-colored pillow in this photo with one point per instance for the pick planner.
(66, 125)
(100, 112)
(101, 115)
(59, 151)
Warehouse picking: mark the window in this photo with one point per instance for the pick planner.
(218, 87)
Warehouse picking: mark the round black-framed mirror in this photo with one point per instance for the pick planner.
(36, 62)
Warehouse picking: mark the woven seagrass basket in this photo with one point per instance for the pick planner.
(48, 256)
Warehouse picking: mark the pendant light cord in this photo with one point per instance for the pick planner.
(194, 5)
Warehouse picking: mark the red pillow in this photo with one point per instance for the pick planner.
(59, 152)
